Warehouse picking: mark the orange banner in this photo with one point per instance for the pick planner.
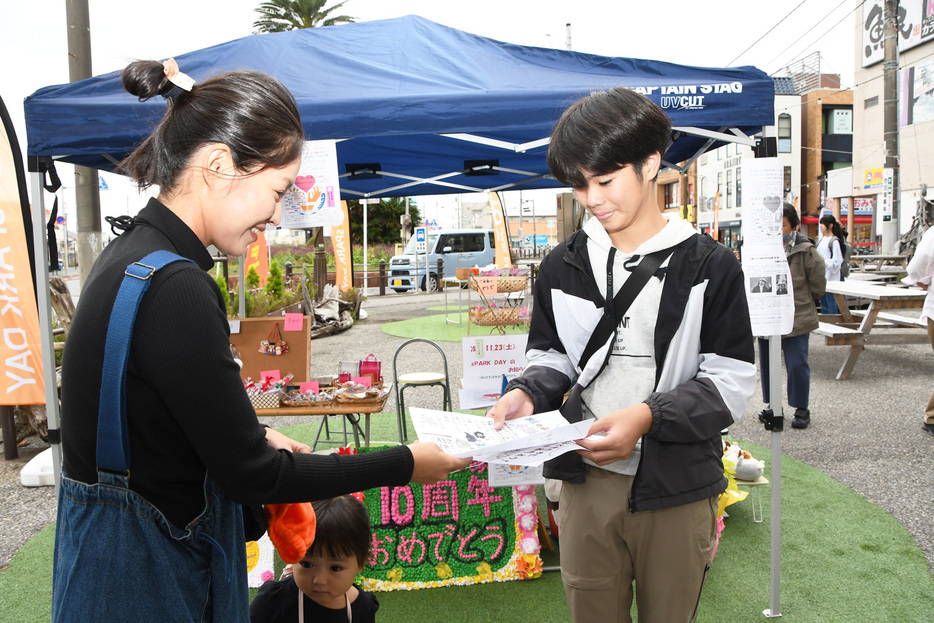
(500, 237)
(20, 346)
(340, 242)
(257, 256)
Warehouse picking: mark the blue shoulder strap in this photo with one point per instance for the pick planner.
(113, 446)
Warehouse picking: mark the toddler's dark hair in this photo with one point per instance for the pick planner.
(343, 528)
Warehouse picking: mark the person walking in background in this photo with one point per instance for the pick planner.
(808, 282)
(673, 364)
(832, 246)
(921, 273)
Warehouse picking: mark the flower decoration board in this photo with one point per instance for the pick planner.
(457, 532)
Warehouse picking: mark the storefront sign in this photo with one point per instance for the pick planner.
(872, 178)
(888, 183)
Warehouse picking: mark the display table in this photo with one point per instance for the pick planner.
(460, 284)
(350, 411)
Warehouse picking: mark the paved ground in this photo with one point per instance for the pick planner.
(865, 432)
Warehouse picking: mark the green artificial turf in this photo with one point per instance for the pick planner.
(842, 559)
(437, 328)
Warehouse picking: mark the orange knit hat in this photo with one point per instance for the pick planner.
(291, 529)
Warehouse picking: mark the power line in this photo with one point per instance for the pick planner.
(766, 34)
(818, 24)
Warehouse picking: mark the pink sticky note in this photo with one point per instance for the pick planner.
(486, 284)
(308, 387)
(293, 322)
(366, 381)
(265, 374)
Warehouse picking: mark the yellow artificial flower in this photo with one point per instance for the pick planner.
(484, 570)
(444, 570)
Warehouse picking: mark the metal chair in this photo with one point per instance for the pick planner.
(418, 379)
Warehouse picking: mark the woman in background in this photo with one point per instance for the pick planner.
(832, 246)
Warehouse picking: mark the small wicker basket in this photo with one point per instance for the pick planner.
(505, 283)
(496, 316)
(294, 399)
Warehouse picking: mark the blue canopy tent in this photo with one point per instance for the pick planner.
(418, 108)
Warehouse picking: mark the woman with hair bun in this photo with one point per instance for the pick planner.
(162, 447)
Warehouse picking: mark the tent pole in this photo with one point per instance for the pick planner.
(775, 404)
(44, 306)
(366, 267)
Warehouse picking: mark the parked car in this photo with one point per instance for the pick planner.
(459, 248)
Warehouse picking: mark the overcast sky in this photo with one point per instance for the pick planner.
(711, 33)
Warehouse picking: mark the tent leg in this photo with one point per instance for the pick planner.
(44, 305)
(775, 403)
(9, 432)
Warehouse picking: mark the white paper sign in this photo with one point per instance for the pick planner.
(514, 475)
(768, 279)
(314, 199)
(471, 398)
(490, 357)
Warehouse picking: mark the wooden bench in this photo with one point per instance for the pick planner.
(836, 335)
(895, 320)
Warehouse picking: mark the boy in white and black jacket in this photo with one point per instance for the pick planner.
(640, 504)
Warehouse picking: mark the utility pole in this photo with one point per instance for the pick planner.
(568, 28)
(87, 190)
(890, 230)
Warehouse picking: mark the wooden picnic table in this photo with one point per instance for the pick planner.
(852, 327)
(877, 262)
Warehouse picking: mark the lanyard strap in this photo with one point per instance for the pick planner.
(617, 306)
(113, 446)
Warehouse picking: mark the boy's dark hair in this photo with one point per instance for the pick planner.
(249, 111)
(604, 132)
(789, 212)
(342, 528)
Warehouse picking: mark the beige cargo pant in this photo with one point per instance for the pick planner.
(605, 550)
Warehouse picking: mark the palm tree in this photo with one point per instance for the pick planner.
(281, 15)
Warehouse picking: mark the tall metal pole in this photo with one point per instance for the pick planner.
(87, 191)
(890, 230)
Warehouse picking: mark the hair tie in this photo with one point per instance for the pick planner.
(180, 80)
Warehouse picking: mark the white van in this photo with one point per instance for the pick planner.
(459, 248)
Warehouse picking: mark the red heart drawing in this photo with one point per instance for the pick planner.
(305, 182)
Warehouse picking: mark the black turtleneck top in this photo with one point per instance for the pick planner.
(187, 411)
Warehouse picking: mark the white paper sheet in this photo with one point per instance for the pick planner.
(524, 441)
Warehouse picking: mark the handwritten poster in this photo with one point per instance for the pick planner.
(314, 199)
(488, 358)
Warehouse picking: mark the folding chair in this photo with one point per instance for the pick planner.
(418, 379)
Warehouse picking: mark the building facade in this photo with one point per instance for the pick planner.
(915, 77)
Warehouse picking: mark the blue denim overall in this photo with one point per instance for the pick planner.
(117, 558)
